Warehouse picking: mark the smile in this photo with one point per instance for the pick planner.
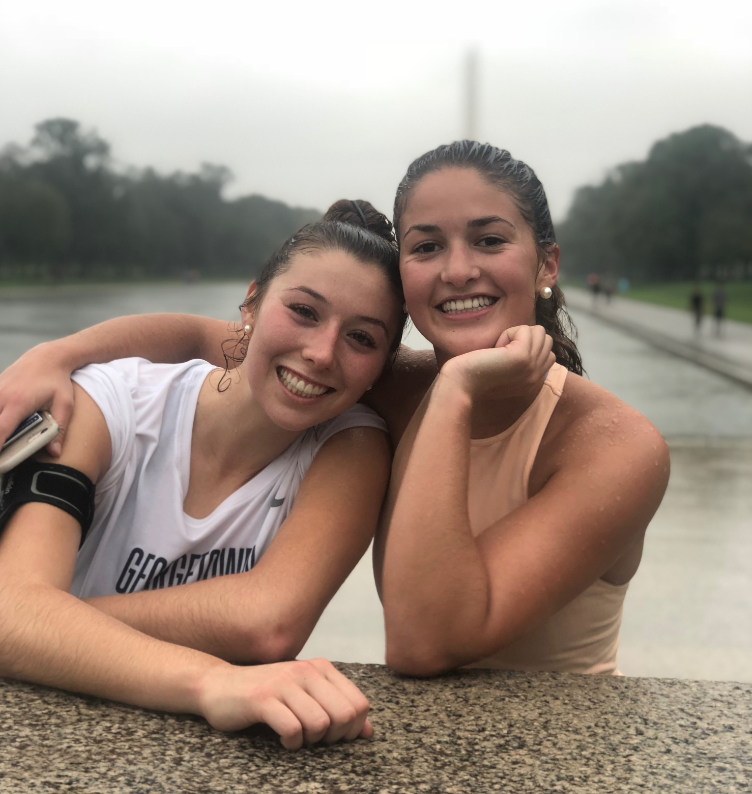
(460, 306)
(299, 386)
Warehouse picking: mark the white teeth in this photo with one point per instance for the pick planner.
(468, 304)
(299, 387)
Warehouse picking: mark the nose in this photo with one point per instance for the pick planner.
(458, 267)
(320, 346)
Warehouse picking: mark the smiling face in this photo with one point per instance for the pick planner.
(469, 264)
(320, 338)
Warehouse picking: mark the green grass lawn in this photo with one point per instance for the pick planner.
(676, 295)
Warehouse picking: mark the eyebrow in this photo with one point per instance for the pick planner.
(422, 227)
(487, 220)
(310, 292)
(430, 228)
(364, 318)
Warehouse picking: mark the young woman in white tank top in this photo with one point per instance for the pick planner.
(214, 540)
(520, 491)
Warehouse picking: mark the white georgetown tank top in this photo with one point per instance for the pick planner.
(140, 538)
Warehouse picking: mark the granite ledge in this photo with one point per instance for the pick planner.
(472, 731)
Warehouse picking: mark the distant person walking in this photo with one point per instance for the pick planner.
(697, 306)
(594, 282)
(720, 298)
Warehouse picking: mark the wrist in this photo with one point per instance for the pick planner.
(63, 353)
(204, 688)
(452, 391)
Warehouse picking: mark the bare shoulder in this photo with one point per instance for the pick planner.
(351, 458)
(590, 425)
(593, 409)
(397, 394)
(364, 443)
(86, 445)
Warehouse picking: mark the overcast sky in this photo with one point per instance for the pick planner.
(313, 102)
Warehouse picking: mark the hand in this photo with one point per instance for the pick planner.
(304, 702)
(39, 379)
(516, 365)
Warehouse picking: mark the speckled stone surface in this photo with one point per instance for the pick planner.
(472, 731)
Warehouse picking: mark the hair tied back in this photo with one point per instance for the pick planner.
(360, 213)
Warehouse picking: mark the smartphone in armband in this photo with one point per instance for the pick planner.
(34, 433)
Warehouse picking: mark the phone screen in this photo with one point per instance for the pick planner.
(28, 424)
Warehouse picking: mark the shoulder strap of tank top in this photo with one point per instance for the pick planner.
(540, 416)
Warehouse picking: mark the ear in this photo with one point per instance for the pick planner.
(246, 313)
(549, 269)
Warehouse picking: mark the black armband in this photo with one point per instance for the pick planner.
(52, 484)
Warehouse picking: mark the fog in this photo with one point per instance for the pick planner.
(312, 103)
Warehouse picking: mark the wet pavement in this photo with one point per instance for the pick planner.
(688, 613)
(724, 348)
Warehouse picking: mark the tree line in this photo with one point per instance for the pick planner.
(67, 212)
(682, 214)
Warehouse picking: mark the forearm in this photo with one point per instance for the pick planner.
(50, 637)
(266, 614)
(229, 617)
(435, 584)
(163, 338)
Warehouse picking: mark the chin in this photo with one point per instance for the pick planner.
(299, 420)
(459, 346)
(293, 423)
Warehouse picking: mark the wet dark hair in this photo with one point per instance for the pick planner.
(514, 177)
(354, 227)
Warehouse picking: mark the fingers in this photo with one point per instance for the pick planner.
(345, 704)
(61, 410)
(307, 702)
(524, 341)
(10, 419)
(281, 719)
(310, 713)
(367, 731)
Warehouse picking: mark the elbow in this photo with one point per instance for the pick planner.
(416, 659)
(272, 645)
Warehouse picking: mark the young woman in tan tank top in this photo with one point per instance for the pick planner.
(520, 491)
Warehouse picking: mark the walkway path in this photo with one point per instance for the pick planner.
(729, 354)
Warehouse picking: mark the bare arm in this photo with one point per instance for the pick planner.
(41, 377)
(267, 613)
(451, 598)
(50, 637)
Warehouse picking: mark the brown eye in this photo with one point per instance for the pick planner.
(362, 338)
(303, 311)
(491, 242)
(426, 248)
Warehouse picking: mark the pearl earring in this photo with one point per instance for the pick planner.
(546, 293)
(247, 329)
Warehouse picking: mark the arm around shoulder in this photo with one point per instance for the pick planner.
(41, 377)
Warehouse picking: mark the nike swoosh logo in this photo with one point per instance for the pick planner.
(277, 502)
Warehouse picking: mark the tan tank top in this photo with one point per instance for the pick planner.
(583, 637)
